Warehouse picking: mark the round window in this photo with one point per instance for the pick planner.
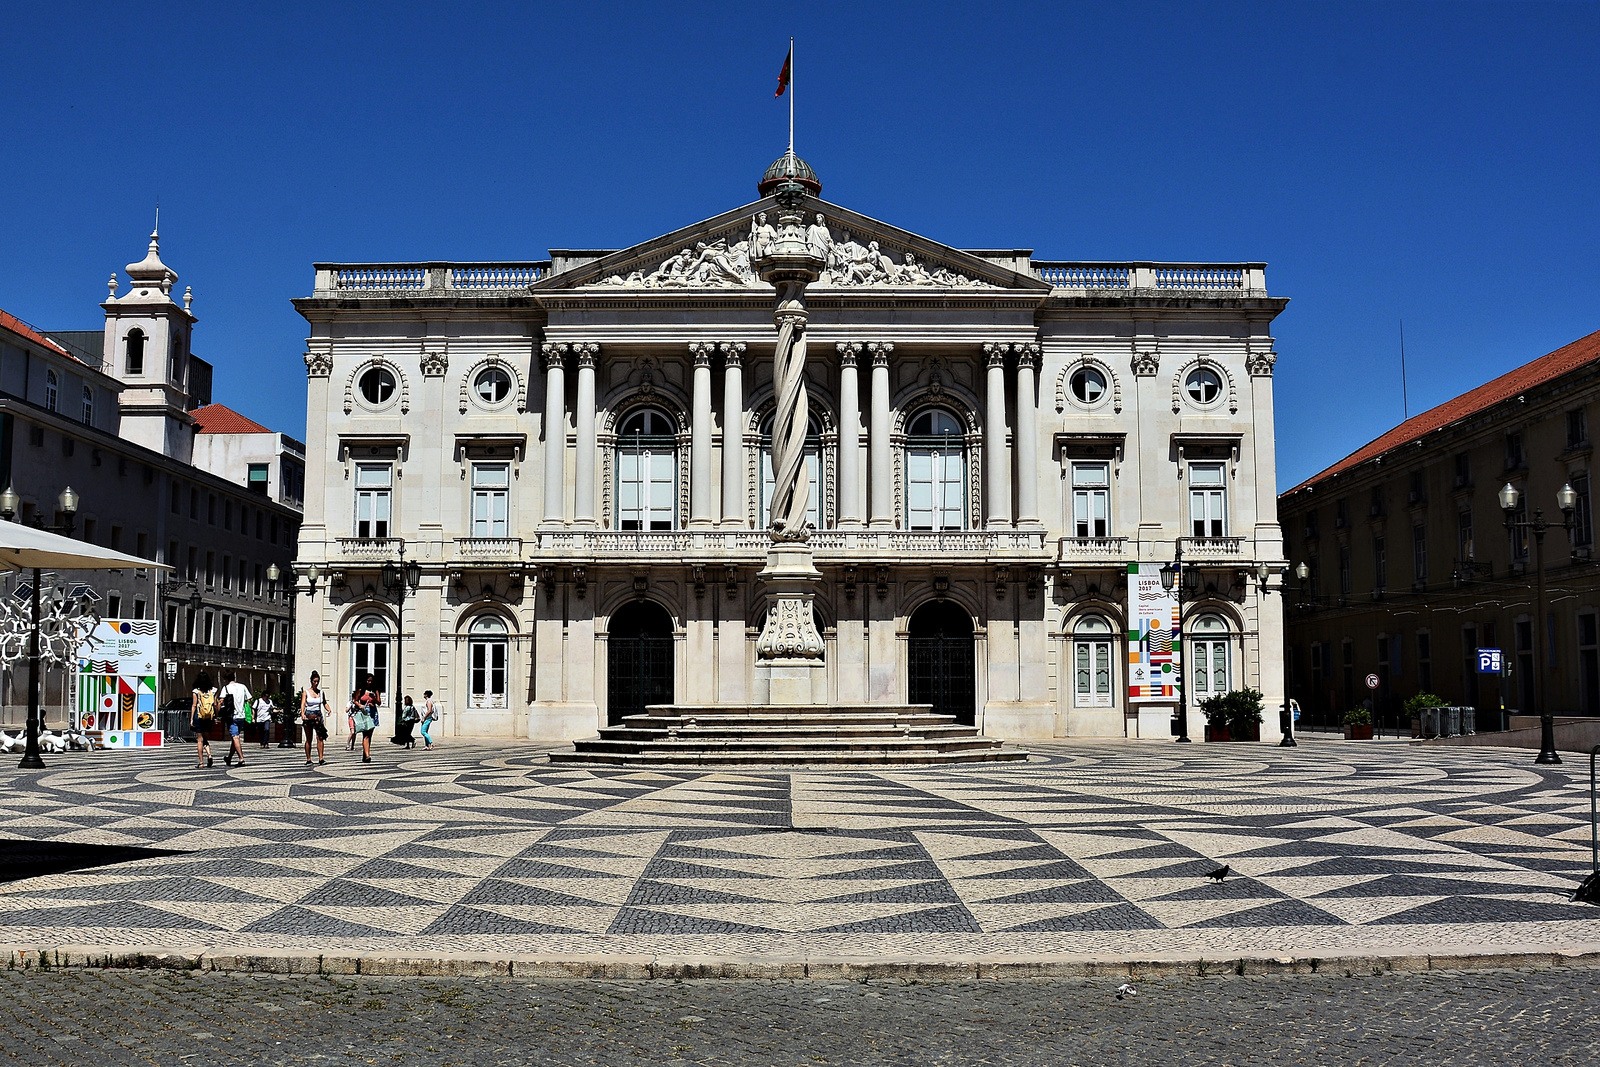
(377, 385)
(1203, 385)
(492, 385)
(1088, 385)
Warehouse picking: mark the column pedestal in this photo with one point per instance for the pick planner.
(789, 665)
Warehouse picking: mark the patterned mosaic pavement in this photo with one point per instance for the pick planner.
(1089, 848)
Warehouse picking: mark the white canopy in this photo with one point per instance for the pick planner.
(24, 548)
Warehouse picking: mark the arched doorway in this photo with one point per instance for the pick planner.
(370, 654)
(941, 660)
(488, 649)
(638, 660)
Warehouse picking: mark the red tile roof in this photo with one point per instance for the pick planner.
(10, 322)
(1546, 368)
(215, 418)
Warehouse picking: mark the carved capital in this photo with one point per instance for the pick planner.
(318, 364)
(794, 318)
(996, 352)
(555, 356)
(732, 353)
(880, 351)
(1260, 364)
(434, 364)
(1027, 356)
(587, 354)
(1146, 364)
(702, 350)
(849, 352)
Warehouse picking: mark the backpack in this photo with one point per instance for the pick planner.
(206, 709)
(229, 712)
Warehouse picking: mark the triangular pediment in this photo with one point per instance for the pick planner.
(861, 252)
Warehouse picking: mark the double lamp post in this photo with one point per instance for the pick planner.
(1538, 682)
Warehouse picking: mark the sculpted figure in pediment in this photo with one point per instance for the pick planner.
(819, 239)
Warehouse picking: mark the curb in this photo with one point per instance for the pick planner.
(820, 967)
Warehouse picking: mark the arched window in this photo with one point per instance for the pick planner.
(1208, 657)
(88, 406)
(487, 655)
(647, 472)
(813, 473)
(52, 391)
(133, 353)
(370, 654)
(936, 472)
(1091, 662)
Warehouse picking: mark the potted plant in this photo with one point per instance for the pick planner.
(1244, 714)
(1358, 725)
(1215, 709)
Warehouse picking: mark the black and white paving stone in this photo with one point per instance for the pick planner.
(1091, 847)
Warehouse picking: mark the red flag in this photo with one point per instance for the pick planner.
(783, 75)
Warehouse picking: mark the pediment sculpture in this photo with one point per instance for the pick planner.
(723, 262)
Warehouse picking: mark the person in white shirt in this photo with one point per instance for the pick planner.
(235, 714)
(262, 710)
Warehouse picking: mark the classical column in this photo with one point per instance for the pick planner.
(1027, 437)
(996, 474)
(733, 505)
(555, 432)
(700, 437)
(849, 434)
(587, 356)
(880, 498)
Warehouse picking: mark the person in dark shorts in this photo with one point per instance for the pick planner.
(313, 718)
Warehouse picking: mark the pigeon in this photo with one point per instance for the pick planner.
(1220, 873)
(1125, 990)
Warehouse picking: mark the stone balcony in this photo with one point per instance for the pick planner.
(368, 549)
(958, 546)
(487, 550)
(1200, 549)
(1093, 550)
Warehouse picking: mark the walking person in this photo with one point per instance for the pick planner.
(404, 720)
(265, 716)
(366, 721)
(202, 715)
(350, 716)
(235, 705)
(430, 715)
(313, 715)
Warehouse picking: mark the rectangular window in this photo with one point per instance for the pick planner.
(1341, 514)
(227, 514)
(140, 607)
(256, 585)
(194, 504)
(645, 479)
(261, 522)
(172, 622)
(1525, 664)
(1514, 454)
(116, 538)
(255, 634)
(1375, 510)
(141, 543)
(211, 508)
(1091, 500)
(211, 569)
(1577, 428)
(491, 491)
(177, 507)
(283, 636)
(1207, 500)
(1380, 564)
(1519, 529)
(1419, 553)
(1424, 661)
(1415, 494)
(935, 486)
(1463, 470)
(113, 605)
(209, 627)
(243, 573)
(1582, 513)
(1469, 663)
(1311, 525)
(227, 572)
(256, 478)
(1347, 655)
(1589, 663)
(1464, 535)
(194, 566)
(274, 530)
(1314, 575)
(373, 481)
(1344, 571)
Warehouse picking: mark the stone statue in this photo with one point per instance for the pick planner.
(819, 239)
(761, 235)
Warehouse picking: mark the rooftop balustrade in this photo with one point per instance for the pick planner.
(1216, 279)
(426, 279)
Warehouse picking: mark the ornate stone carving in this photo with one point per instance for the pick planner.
(995, 352)
(849, 352)
(1260, 364)
(1146, 364)
(701, 351)
(880, 352)
(318, 364)
(434, 364)
(790, 631)
(732, 353)
(553, 353)
(1064, 381)
(586, 354)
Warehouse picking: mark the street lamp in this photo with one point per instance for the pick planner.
(9, 503)
(1567, 501)
(1179, 581)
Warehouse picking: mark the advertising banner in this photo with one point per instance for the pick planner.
(1154, 653)
(117, 681)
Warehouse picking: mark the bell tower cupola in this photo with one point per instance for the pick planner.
(147, 349)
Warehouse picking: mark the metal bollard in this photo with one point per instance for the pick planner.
(1286, 725)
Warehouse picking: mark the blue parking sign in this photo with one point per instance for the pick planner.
(1490, 661)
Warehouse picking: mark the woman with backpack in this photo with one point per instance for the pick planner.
(365, 715)
(202, 713)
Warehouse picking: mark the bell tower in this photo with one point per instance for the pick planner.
(147, 349)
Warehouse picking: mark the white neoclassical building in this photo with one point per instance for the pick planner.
(540, 489)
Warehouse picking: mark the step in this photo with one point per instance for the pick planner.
(758, 758)
(623, 733)
(775, 744)
(762, 718)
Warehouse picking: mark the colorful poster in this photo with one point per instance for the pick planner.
(117, 680)
(1154, 644)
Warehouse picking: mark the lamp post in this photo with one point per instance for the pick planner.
(402, 576)
(1180, 582)
(1567, 501)
(67, 505)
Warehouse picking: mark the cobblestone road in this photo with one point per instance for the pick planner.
(1489, 1017)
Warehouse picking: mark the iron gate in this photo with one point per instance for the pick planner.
(638, 672)
(941, 673)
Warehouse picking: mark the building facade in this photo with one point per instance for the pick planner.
(110, 414)
(1410, 568)
(540, 489)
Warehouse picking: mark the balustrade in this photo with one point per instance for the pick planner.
(1081, 549)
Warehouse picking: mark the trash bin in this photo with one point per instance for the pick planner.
(1430, 722)
(1469, 720)
(1450, 725)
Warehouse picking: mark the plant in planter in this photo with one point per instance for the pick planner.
(1245, 708)
(1358, 725)
(1215, 709)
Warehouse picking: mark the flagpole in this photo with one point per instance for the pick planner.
(791, 96)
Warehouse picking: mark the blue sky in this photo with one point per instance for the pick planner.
(1438, 163)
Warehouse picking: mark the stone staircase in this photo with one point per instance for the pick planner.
(729, 735)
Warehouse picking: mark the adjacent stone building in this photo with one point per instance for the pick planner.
(112, 414)
(1410, 568)
(540, 488)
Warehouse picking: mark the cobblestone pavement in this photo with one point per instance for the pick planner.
(1094, 847)
(1485, 1017)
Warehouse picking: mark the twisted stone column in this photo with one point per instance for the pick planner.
(791, 490)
